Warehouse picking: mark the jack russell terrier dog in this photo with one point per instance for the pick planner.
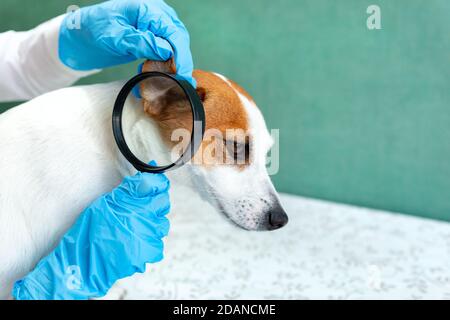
(58, 155)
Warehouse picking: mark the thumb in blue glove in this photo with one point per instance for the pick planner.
(112, 239)
(117, 32)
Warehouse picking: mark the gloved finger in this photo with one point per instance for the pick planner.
(151, 253)
(143, 185)
(166, 24)
(183, 57)
(153, 207)
(143, 44)
(160, 204)
(136, 89)
(164, 227)
(151, 228)
(170, 28)
(180, 42)
(151, 184)
(145, 250)
(145, 224)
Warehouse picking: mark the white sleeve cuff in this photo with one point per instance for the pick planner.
(30, 64)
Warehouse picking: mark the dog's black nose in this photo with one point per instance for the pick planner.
(277, 218)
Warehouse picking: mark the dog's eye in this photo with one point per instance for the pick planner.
(239, 151)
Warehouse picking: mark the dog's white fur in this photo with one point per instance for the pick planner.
(57, 155)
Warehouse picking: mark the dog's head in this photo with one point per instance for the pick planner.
(230, 168)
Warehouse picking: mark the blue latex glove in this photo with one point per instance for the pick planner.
(120, 31)
(112, 239)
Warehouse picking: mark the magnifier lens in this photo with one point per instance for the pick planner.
(159, 125)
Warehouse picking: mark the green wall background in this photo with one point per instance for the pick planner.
(364, 115)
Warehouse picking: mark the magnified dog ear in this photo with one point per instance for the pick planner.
(162, 97)
(159, 94)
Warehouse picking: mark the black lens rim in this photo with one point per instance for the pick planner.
(198, 116)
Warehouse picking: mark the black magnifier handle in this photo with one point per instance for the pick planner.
(198, 120)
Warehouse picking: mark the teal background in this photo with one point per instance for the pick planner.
(364, 115)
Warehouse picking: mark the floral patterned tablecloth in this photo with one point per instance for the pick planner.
(327, 251)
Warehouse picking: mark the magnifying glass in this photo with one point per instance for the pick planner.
(173, 87)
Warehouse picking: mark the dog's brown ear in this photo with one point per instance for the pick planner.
(161, 66)
(162, 97)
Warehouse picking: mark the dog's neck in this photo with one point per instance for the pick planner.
(141, 133)
(144, 140)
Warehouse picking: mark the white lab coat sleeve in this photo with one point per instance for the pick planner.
(30, 64)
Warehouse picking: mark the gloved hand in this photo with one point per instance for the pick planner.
(112, 239)
(120, 31)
